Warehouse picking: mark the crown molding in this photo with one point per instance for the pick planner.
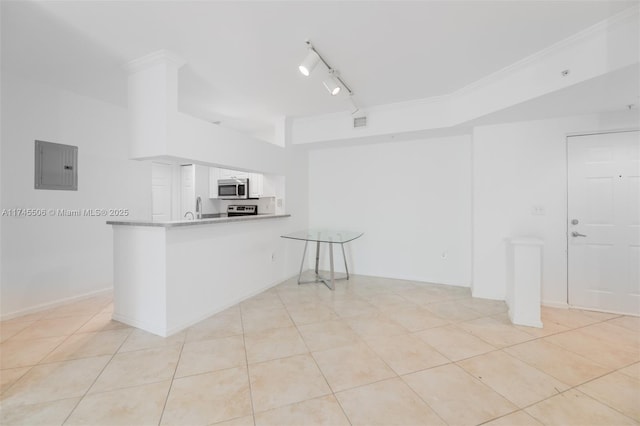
(462, 105)
(592, 31)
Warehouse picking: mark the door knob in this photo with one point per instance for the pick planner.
(577, 234)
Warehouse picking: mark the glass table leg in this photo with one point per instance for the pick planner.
(345, 260)
(333, 275)
(304, 256)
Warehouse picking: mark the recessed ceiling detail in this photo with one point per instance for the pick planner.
(609, 47)
(241, 56)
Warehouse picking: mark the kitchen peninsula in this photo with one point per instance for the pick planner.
(170, 275)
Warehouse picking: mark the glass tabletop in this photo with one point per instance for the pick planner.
(324, 235)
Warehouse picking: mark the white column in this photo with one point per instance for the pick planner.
(152, 102)
(524, 277)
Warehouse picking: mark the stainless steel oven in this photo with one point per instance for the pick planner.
(244, 210)
(233, 189)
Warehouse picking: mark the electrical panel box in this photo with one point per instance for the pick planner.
(56, 166)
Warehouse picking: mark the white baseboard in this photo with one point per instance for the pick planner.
(527, 323)
(564, 305)
(156, 329)
(487, 295)
(604, 311)
(54, 304)
(414, 279)
(552, 304)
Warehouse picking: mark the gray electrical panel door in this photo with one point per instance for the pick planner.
(56, 166)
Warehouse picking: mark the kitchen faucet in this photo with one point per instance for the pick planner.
(198, 207)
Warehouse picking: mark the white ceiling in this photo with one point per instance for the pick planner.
(613, 92)
(241, 57)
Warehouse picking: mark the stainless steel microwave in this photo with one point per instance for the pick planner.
(233, 189)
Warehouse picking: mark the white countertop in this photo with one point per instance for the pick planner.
(193, 222)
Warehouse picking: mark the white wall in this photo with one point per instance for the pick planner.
(411, 199)
(202, 190)
(295, 199)
(48, 259)
(517, 166)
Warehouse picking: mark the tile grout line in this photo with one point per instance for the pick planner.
(534, 338)
(621, 326)
(95, 380)
(398, 376)
(508, 414)
(597, 378)
(246, 361)
(316, 363)
(570, 387)
(359, 296)
(571, 350)
(44, 314)
(452, 362)
(40, 362)
(486, 385)
(562, 348)
(343, 319)
(44, 362)
(166, 399)
(562, 393)
(606, 404)
(574, 387)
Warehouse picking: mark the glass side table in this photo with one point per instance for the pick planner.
(331, 237)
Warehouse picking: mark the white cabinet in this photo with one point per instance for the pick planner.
(214, 175)
(233, 174)
(259, 185)
(255, 185)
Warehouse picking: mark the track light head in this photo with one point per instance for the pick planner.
(331, 85)
(309, 63)
(353, 107)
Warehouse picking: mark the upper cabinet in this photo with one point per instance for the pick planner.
(259, 185)
(233, 174)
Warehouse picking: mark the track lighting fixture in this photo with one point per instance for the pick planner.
(333, 83)
(331, 86)
(353, 107)
(309, 62)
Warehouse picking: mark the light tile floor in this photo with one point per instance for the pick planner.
(373, 352)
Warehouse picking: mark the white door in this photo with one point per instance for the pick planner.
(187, 190)
(161, 177)
(604, 221)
